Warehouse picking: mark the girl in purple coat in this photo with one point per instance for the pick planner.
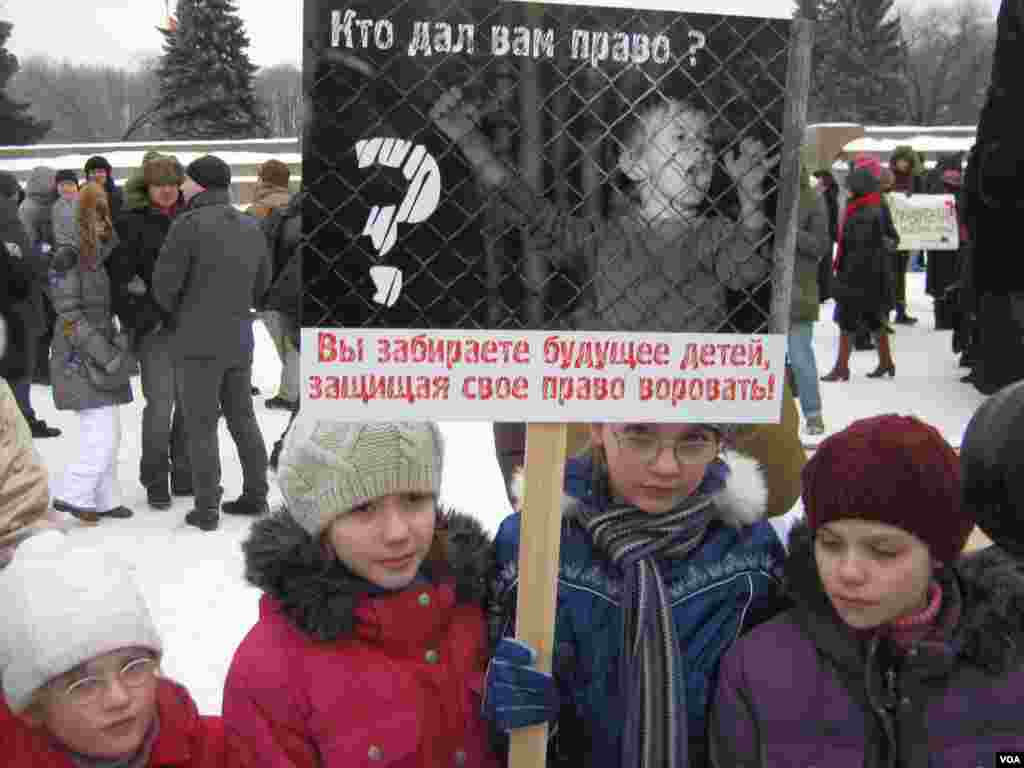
(896, 652)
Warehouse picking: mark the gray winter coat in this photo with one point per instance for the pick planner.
(84, 331)
(213, 268)
(65, 224)
(37, 220)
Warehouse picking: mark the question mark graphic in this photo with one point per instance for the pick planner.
(421, 200)
(699, 40)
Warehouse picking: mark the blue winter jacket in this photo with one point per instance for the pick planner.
(730, 583)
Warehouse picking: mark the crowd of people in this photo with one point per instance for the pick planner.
(699, 620)
(158, 278)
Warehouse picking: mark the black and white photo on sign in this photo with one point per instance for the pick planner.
(511, 166)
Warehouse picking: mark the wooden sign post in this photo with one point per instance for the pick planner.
(539, 547)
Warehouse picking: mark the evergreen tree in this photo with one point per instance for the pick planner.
(859, 63)
(16, 125)
(206, 77)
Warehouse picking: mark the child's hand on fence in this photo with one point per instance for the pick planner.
(748, 166)
(454, 115)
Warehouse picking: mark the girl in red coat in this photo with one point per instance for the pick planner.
(370, 647)
(80, 663)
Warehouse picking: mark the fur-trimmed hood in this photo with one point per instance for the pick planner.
(320, 595)
(41, 186)
(907, 152)
(990, 633)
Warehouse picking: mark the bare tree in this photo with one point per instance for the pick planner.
(948, 51)
(279, 90)
(86, 103)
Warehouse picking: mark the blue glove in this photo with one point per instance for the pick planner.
(517, 695)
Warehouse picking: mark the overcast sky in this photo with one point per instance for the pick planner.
(121, 32)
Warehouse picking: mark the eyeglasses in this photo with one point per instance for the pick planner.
(695, 449)
(88, 690)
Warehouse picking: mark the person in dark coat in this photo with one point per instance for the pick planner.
(994, 205)
(164, 466)
(213, 268)
(35, 211)
(99, 170)
(17, 279)
(829, 188)
(943, 270)
(992, 469)
(907, 167)
(898, 650)
(863, 284)
(16, 224)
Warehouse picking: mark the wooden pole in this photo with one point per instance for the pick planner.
(540, 538)
(798, 83)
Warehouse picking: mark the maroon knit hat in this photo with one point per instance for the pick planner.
(890, 469)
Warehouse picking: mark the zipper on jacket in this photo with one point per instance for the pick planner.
(880, 708)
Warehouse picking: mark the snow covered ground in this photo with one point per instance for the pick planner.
(194, 580)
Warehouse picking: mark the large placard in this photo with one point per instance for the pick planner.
(530, 171)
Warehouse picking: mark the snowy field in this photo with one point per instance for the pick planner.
(194, 581)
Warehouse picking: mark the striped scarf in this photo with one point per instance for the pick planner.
(651, 671)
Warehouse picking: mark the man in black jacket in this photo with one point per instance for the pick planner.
(213, 268)
(141, 229)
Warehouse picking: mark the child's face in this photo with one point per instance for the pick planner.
(873, 572)
(387, 539)
(68, 190)
(655, 466)
(677, 160)
(104, 708)
(99, 176)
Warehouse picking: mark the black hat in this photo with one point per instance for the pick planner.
(65, 174)
(209, 171)
(992, 468)
(9, 185)
(98, 161)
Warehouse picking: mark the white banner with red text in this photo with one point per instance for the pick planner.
(542, 376)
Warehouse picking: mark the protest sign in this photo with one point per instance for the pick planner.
(925, 222)
(536, 169)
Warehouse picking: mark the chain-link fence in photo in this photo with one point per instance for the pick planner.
(484, 164)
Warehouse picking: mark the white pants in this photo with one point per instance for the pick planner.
(90, 482)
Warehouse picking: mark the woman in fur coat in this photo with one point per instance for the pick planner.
(371, 642)
(664, 563)
(87, 364)
(896, 652)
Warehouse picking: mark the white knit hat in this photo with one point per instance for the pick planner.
(327, 467)
(63, 605)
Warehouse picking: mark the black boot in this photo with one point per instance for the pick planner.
(245, 506)
(204, 520)
(158, 494)
(41, 429)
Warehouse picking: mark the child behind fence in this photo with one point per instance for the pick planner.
(663, 264)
